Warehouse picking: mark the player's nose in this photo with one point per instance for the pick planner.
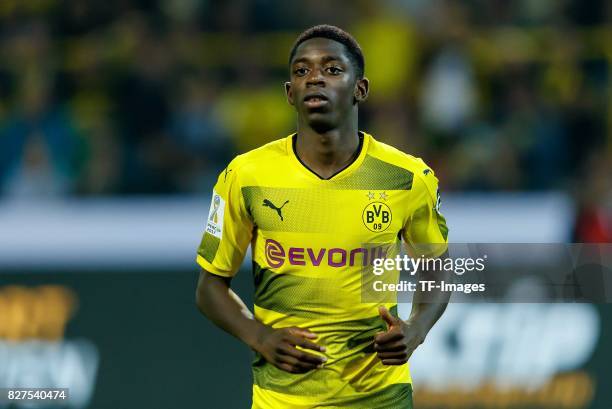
(315, 78)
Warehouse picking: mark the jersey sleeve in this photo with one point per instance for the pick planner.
(229, 228)
(425, 231)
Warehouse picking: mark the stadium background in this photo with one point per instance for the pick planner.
(116, 116)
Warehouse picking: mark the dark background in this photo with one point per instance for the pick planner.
(157, 351)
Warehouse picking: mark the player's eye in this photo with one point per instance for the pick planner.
(300, 71)
(334, 70)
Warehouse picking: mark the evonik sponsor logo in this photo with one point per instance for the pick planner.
(277, 255)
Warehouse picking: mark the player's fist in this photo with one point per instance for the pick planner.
(396, 345)
(279, 347)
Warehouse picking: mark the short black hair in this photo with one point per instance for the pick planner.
(336, 34)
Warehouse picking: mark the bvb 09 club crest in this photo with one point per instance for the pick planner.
(377, 216)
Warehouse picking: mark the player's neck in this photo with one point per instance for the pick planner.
(329, 152)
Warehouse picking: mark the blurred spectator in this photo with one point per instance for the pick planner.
(132, 97)
(593, 222)
(448, 91)
(200, 132)
(40, 150)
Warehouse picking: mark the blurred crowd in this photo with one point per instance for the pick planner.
(155, 97)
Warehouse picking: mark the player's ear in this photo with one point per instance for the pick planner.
(362, 88)
(289, 92)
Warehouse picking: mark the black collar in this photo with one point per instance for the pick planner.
(355, 156)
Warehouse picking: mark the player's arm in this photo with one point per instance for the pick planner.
(228, 233)
(396, 345)
(216, 300)
(428, 306)
(425, 233)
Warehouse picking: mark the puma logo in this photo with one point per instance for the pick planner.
(271, 205)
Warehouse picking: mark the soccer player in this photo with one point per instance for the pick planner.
(307, 204)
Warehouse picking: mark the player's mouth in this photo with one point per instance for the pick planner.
(315, 100)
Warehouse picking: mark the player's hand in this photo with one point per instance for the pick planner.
(396, 345)
(278, 346)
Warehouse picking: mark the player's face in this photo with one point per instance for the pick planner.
(324, 87)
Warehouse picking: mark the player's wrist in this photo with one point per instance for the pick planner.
(255, 336)
(416, 325)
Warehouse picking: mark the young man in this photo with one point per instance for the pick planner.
(307, 204)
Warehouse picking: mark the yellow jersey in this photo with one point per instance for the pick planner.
(309, 239)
